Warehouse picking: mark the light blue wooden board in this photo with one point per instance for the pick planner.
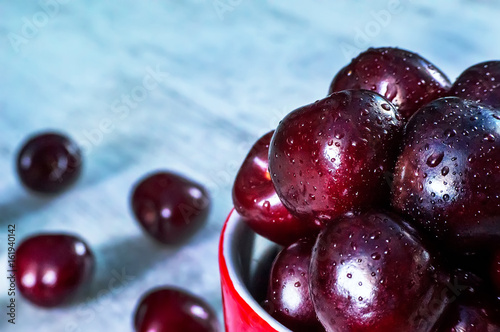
(231, 76)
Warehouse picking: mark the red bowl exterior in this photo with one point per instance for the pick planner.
(241, 312)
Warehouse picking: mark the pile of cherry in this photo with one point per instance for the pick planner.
(386, 198)
(52, 269)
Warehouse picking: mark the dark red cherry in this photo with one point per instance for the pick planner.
(479, 83)
(404, 78)
(462, 317)
(288, 298)
(369, 273)
(447, 176)
(255, 199)
(333, 156)
(174, 310)
(495, 271)
(49, 163)
(169, 207)
(467, 286)
(52, 268)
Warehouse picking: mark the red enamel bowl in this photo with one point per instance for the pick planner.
(241, 252)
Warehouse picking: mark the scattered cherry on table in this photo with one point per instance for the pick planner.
(365, 267)
(49, 163)
(446, 177)
(404, 78)
(332, 156)
(170, 207)
(255, 199)
(288, 298)
(51, 268)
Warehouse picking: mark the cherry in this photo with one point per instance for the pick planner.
(49, 163)
(288, 296)
(169, 207)
(404, 78)
(495, 271)
(51, 268)
(255, 199)
(468, 286)
(174, 310)
(370, 273)
(468, 318)
(473, 304)
(446, 179)
(480, 83)
(332, 156)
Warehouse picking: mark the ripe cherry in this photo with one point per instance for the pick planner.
(49, 163)
(51, 268)
(404, 78)
(288, 298)
(174, 310)
(365, 268)
(170, 207)
(333, 156)
(479, 83)
(255, 199)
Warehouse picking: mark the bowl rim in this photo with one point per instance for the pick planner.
(234, 222)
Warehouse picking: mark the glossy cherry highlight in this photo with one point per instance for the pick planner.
(170, 207)
(51, 268)
(49, 163)
(333, 156)
(255, 199)
(404, 78)
(479, 83)
(446, 178)
(174, 310)
(288, 298)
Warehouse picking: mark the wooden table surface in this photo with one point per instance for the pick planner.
(186, 86)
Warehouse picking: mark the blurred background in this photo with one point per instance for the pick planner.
(186, 86)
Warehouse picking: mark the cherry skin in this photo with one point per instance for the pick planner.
(170, 207)
(288, 298)
(255, 199)
(447, 177)
(369, 273)
(464, 317)
(174, 310)
(332, 156)
(51, 268)
(480, 83)
(404, 78)
(49, 163)
(495, 271)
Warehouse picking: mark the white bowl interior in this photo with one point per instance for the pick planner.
(246, 253)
